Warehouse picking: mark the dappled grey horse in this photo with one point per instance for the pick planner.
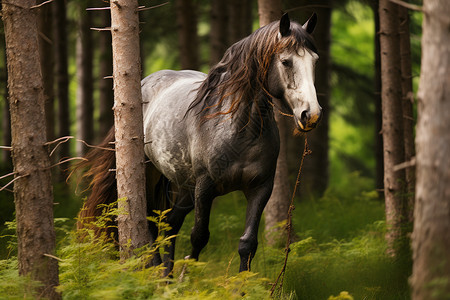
(208, 135)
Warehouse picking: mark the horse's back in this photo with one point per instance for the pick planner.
(161, 81)
(166, 97)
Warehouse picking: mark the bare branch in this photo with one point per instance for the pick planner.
(60, 141)
(7, 175)
(8, 148)
(101, 29)
(406, 164)
(142, 8)
(99, 8)
(66, 160)
(96, 147)
(39, 5)
(64, 139)
(408, 5)
(9, 183)
(52, 256)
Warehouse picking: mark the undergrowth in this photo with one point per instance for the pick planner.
(339, 253)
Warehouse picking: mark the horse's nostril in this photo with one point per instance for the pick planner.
(304, 116)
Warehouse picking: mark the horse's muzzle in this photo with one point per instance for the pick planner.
(307, 122)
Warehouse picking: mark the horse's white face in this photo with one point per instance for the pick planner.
(291, 77)
(296, 84)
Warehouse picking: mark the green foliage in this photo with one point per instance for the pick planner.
(340, 247)
(341, 296)
(90, 268)
(13, 286)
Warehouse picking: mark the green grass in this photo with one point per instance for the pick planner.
(339, 251)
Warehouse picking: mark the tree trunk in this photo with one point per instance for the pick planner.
(32, 186)
(62, 77)
(391, 94)
(47, 63)
(315, 179)
(278, 205)
(240, 16)
(130, 166)
(6, 120)
(379, 163)
(218, 33)
(187, 34)
(85, 87)
(431, 237)
(106, 118)
(407, 108)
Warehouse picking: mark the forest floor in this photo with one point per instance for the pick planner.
(339, 252)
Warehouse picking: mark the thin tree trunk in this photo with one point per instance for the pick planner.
(379, 159)
(187, 34)
(47, 63)
(218, 34)
(315, 168)
(32, 186)
(277, 207)
(106, 118)
(407, 107)
(431, 237)
(85, 88)
(392, 125)
(130, 167)
(6, 120)
(240, 16)
(62, 77)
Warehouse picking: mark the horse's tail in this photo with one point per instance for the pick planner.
(100, 167)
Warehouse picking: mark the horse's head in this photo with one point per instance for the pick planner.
(291, 74)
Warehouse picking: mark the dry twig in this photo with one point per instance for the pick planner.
(279, 281)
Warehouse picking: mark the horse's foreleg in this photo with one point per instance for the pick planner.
(257, 198)
(205, 193)
(183, 205)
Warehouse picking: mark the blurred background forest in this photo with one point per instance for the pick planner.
(339, 220)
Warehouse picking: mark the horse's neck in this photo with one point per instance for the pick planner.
(254, 114)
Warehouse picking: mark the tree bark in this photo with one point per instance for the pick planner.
(218, 33)
(6, 120)
(130, 166)
(278, 205)
(315, 168)
(47, 63)
(106, 118)
(240, 16)
(379, 163)
(62, 76)
(85, 87)
(431, 237)
(187, 34)
(391, 94)
(407, 108)
(32, 187)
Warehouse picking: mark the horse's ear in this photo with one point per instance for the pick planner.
(285, 25)
(310, 24)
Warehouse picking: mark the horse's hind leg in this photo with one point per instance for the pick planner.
(155, 184)
(183, 205)
(257, 198)
(205, 193)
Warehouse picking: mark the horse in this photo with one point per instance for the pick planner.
(208, 135)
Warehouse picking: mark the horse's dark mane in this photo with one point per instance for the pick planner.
(242, 72)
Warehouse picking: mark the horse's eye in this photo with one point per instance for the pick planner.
(286, 62)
